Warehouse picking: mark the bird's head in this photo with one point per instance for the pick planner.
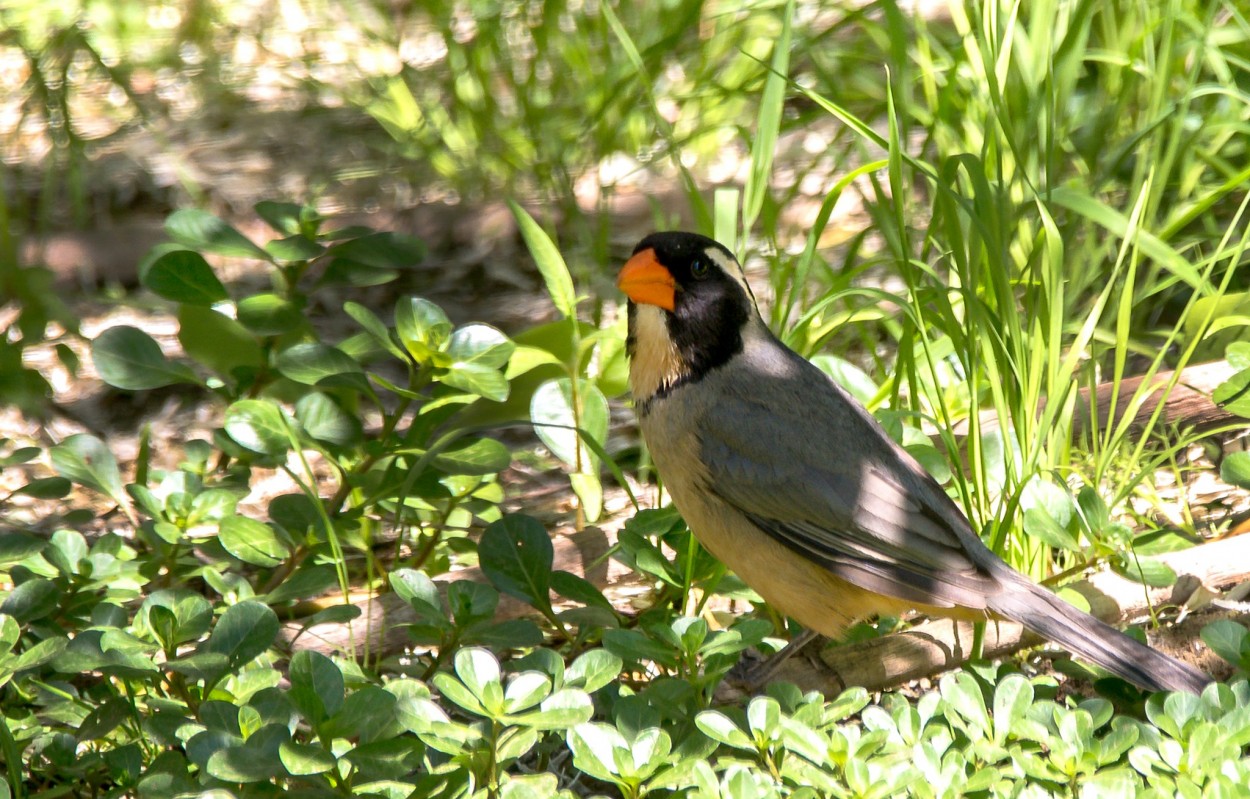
(689, 305)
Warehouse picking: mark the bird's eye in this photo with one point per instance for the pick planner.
(699, 269)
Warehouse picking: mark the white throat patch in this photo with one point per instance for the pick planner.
(656, 361)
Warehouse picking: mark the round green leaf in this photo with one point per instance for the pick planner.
(283, 217)
(200, 230)
(243, 632)
(316, 364)
(17, 547)
(304, 759)
(552, 412)
(184, 276)
(31, 600)
(317, 687)
(1228, 639)
(516, 555)
(269, 314)
(252, 541)
(475, 378)
(593, 670)
(1233, 395)
(130, 359)
(847, 375)
(382, 250)
(87, 461)
(46, 488)
(475, 457)
(258, 425)
(480, 344)
(1039, 524)
(294, 248)
(217, 341)
(1235, 469)
(324, 421)
(190, 614)
(422, 326)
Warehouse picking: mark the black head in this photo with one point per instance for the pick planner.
(700, 286)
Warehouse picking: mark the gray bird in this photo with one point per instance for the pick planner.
(793, 485)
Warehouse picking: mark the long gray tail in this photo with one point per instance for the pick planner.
(1052, 618)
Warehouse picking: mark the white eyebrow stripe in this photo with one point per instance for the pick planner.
(731, 268)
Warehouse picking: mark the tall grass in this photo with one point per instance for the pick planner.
(1062, 202)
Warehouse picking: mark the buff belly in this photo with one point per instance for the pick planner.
(797, 587)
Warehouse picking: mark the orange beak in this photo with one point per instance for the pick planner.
(645, 280)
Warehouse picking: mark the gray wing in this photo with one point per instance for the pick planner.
(840, 492)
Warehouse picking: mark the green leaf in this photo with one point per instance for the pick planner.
(317, 687)
(368, 320)
(552, 412)
(217, 341)
(184, 276)
(1012, 698)
(200, 230)
(325, 421)
(515, 554)
(1039, 524)
(103, 720)
(1233, 395)
(1117, 224)
(130, 359)
(282, 217)
(1146, 571)
(962, 695)
(269, 314)
(368, 713)
(418, 590)
(87, 461)
(484, 381)
(293, 249)
(476, 456)
(188, 615)
(252, 541)
(1235, 469)
(31, 600)
(579, 589)
(720, 728)
(593, 670)
(595, 746)
(1228, 639)
(479, 670)
(847, 375)
(559, 711)
(344, 272)
(768, 124)
(307, 581)
(1238, 355)
(46, 488)
(549, 262)
(480, 344)
(259, 425)
(16, 547)
(305, 759)
(422, 326)
(381, 250)
(589, 490)
(257, 760)
(316, 364)
(243, 632)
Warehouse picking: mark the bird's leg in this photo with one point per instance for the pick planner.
(751, 676)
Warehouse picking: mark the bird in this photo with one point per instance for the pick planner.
(793, 485)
